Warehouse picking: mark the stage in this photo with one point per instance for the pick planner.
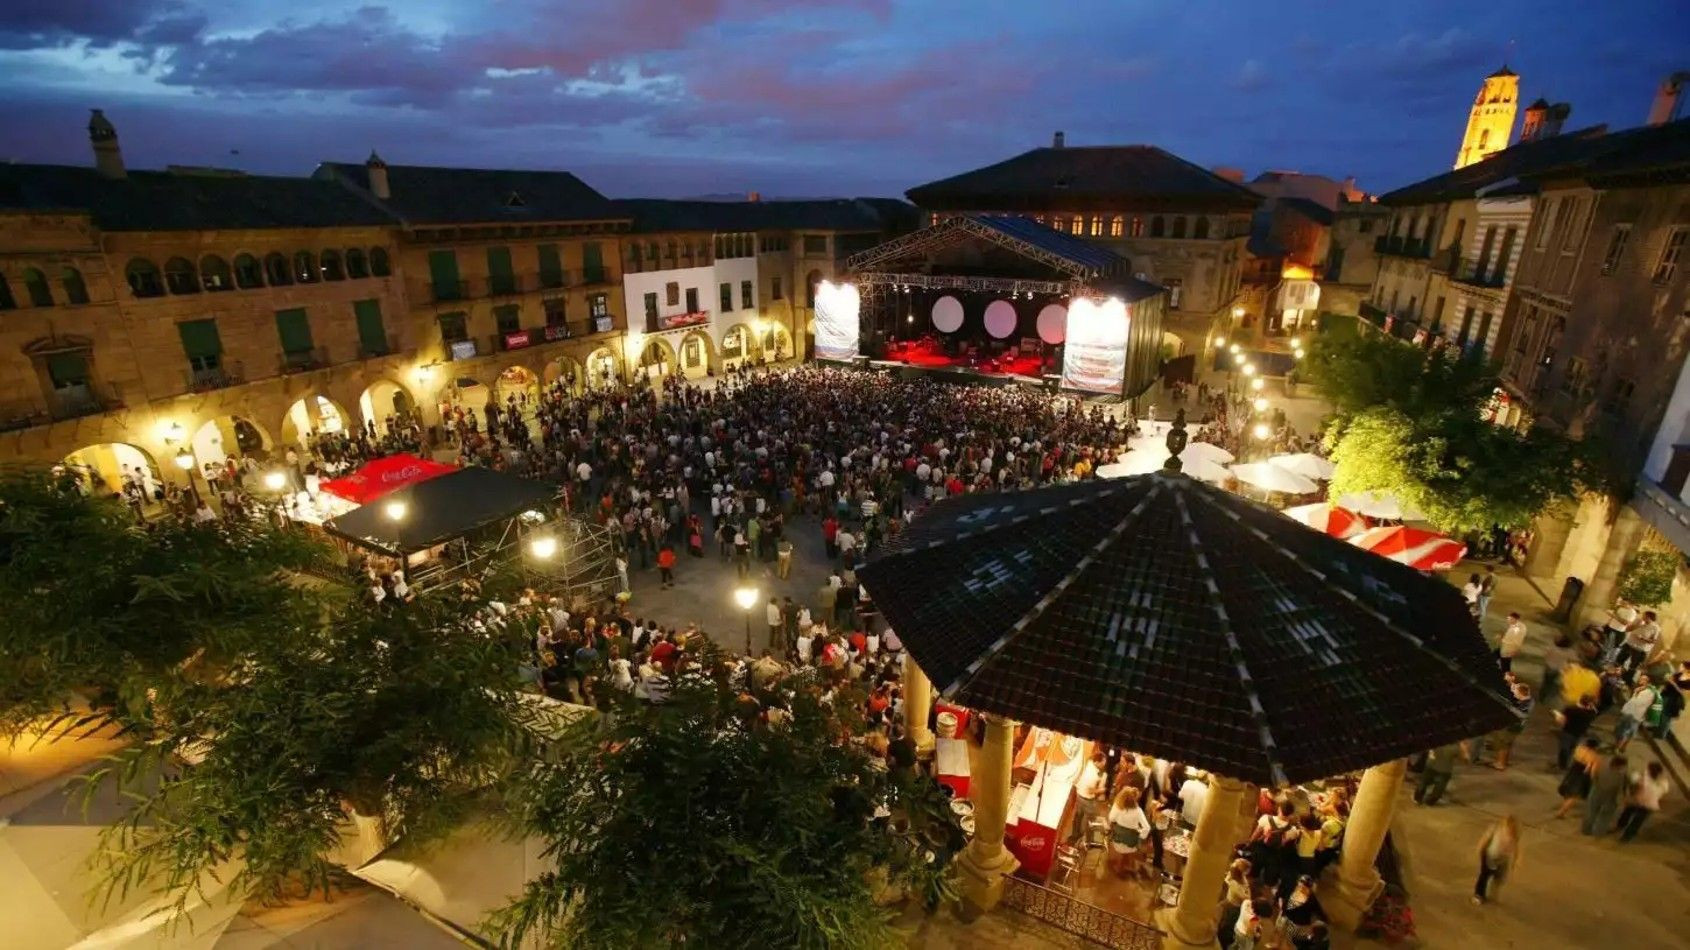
(928, 354)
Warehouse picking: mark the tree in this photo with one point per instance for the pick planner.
(265, 707)
(698, 821)
(1647, 578)
(1464, 473)
(1367, 370)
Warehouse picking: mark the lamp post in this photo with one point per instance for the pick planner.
(185, 461)
(746, 598)
(276, 483)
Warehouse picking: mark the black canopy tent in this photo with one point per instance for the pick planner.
(1163, 615)
(481, 517)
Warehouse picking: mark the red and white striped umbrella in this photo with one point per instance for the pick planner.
(1338, 522)
(1418, 548)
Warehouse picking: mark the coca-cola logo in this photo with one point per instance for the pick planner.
(402, 474)
(1034, 842)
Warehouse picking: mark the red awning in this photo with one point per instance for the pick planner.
(384, 475)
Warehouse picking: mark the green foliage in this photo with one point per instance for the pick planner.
(265, 706)
(1369, 370)
(697, 822)
(1463, 472)
(1647, 577)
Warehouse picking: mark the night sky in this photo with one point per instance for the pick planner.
(794, 98)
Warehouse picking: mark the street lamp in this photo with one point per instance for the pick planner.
(1261, 431)
(185, 461)
(1220, 341)
(543, 547)
(1233, 349)
(1257, 384)
(1248, 369)
(1260, 405)
(396, 510)
(275, 481)
(746, 598)
(1237, 312)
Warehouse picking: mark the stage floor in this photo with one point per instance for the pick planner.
(931, 357)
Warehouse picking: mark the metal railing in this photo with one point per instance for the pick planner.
(216, 377)
(1400, 246)
(1490, 274)
(300, 361)
(595, 275)
(1075, 916)
(368, 350)
(449, 290)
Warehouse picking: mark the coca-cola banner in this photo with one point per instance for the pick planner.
(385, 475)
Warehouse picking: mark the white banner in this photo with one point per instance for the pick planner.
(838, 321)
(1094, 359)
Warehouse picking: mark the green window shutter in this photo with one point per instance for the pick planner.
(592, 255)
(443, 268)
(551, 265)
(372, 334)
(294, 330)
(499, 261)
(67, 369)
(199, 339)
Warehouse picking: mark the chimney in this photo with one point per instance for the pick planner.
(753, 196)
(377, 170)
(1531, 129)
(108, 157)
(1669, 99)
(1058, 140)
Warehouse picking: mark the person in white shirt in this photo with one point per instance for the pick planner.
(1513, 638)
(1647, 788)
(1090, 791)
(1640, 641)
(1634, 711)
(1192, 794)
(1127, 830)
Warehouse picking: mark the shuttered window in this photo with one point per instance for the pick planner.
(67, 369)
(201, 343)
(372, 335)
(294, 330)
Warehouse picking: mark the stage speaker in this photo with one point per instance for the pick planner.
(861, 362)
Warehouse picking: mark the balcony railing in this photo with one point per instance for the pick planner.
(1446, 260)
(1400, 246)
(88, 399)
(1664, 511)
(553, 280)
(1469, 272)
(505, 285)
(370, 349)
(216, 377)
(1083, 920)
(1372, 314)
(301, 361)
(595, 275)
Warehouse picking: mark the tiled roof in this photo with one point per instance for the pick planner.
(1052, 241)
(423, 194)
(185, 200)
(1098, 173)
(1166, 616)
(1589, 148)
(828, 214)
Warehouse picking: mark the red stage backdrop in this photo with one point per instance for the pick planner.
(385, 475)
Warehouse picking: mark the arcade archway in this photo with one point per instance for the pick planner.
(385, 399)
(314, 414)
(568, 372)
(603, 369)
(229, 437)
(519, 384)
(740, 347)
(657, 359)
(698, 355)
(777, 343)
(109, 467)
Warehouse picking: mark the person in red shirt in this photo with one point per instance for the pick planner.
(666, 564)
(830, 535)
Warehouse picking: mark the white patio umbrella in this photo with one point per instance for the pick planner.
(1381, 504)
(1270, 477)
(1145, 461)
(1204, 450)
(1306, 464)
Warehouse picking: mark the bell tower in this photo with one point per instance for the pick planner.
(1491, 122)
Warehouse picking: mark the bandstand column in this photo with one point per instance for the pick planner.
(1353, 884)
(918, 705)
(1192, 921)
(986, 862)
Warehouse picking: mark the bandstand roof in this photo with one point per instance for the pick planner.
(1166, 616)
(439, 509)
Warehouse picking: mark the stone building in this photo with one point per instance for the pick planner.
(1351, 263)
(1594, 336)
(1490, 123)
(1178, 225)
(713, 283)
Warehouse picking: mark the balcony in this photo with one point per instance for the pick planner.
(372, 349)
(303, 361)
(1372, 314)
(1401, 247)
(506, 285)
(71, 402)
(518, 339)
(1664, 511)
(1473, 274)
(595, 275)
(214, 377)
(1446, 260)
(553, 280)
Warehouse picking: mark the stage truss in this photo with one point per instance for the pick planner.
(583, 571)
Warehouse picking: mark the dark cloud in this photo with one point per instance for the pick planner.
(35, 24)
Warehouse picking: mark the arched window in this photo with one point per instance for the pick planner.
(76, 290)
(1079, 224)
(214, 273)
(35, 285)
(276, 270)
(1157, 227)
(1179, 227)
(357, 265)
(1202, 229)
(180, 277)
(247, 272)
(379, 266)
(305, 267)
(330, 264)
(144, 278)
(1096, 226)
(1115, 226)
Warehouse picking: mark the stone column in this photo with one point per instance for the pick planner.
(986, 862)
(1622, 544)
(1352, 885)
(918, 705)
(1192, 921)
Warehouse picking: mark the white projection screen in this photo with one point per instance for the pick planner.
(838, 321)
(1094, 359)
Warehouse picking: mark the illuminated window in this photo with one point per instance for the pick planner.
(1079, 225)
(1115, 226)
(1096, 226)
(1668, 264)
(1058, 223)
